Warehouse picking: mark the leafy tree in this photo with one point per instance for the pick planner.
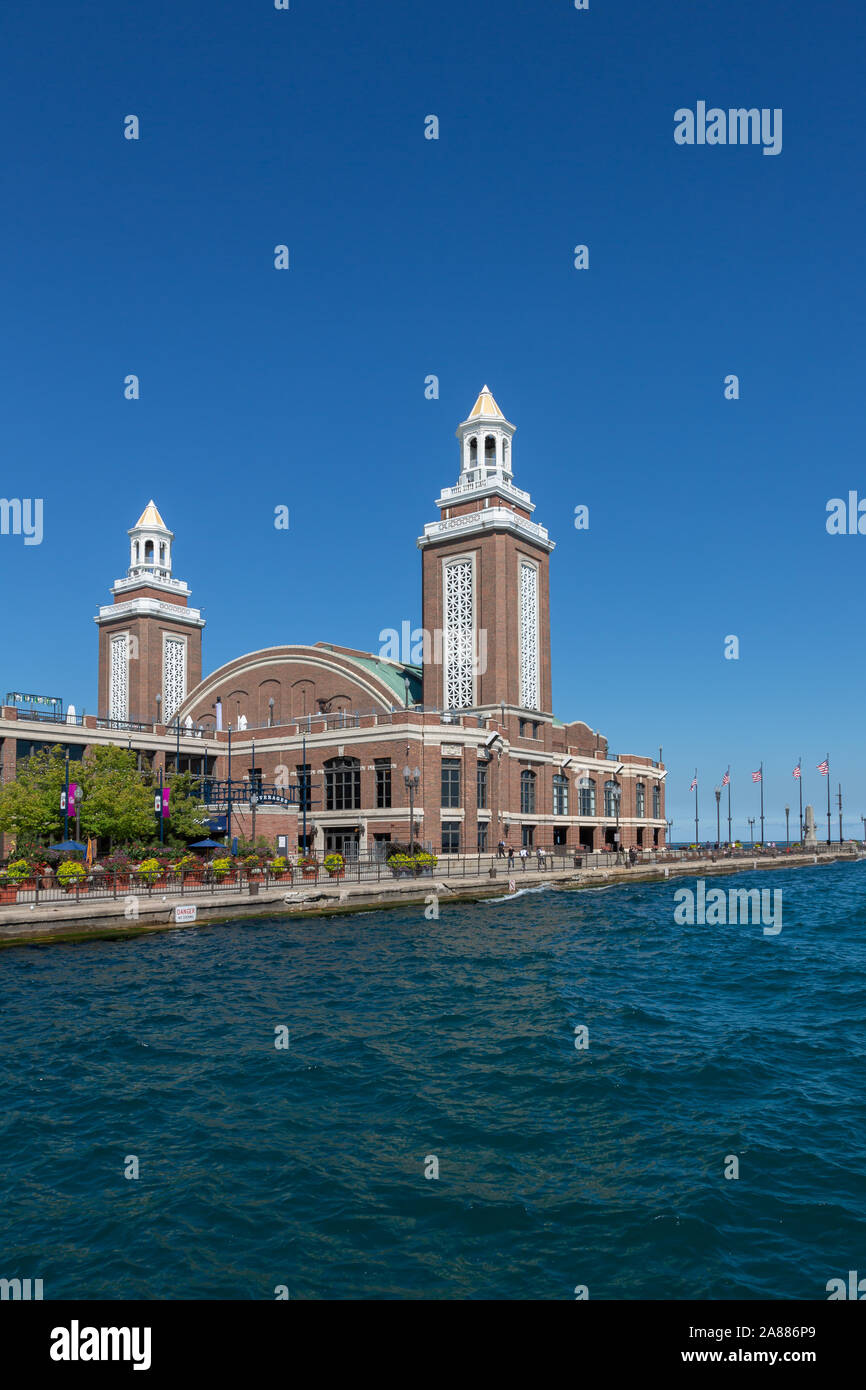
(30, 806)
(188, 818)
(116, 803)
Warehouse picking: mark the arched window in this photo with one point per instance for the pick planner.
(560, 795)
(527, 792)
(490, 451)
(657, 801)
(586, 790)
(135, 551)
(162, 552)
(342, 784)
(473, 451)
(148, 552)
(612, 792)
(640, 800)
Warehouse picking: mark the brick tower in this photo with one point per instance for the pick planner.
(149, 639)
(485, 581)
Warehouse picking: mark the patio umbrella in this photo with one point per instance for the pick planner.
(66, 845)
(206, 844)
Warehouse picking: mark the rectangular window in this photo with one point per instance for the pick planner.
(304, 801)
(342, 784)
(586, 797)
(256, 780)
(527, 836)
(482, 836)
(560, 796)
(383, 782)
(482, 787)
(451, 837)
(560, 834)
(451, 782)
(640, 800)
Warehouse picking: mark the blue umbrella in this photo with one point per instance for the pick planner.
(66, 845)
(206, 844)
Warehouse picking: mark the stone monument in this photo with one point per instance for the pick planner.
(810, 834)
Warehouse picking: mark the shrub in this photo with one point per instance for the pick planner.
(149, 870)
(19, 869)
(279, 865)
(70, 873)
(334, 863)
(221, 867)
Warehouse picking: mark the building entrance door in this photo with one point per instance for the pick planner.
(343, 840)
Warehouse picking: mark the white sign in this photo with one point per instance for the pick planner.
(185, 913)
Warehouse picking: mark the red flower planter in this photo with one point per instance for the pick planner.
(8, 894)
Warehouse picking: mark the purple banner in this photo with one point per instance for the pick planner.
(70, 802)
(166, 793)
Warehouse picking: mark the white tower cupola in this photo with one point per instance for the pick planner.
(485, 443)
(150, 546)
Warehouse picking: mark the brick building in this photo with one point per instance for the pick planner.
(474, 717)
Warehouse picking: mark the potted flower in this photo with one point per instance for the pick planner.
(402, 865)
(281, 868)
(148, 871)
(309, 865)
(335, 865)
(222, 870)
(8, 888)
(71, 876)
(20, 873)
(425, 863)
(252, 863)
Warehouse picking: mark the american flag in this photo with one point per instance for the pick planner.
(756, 776)
(694, 784)
(824, 768)
(727, 777)
(796, 772)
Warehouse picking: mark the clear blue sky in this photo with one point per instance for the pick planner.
(453, 257)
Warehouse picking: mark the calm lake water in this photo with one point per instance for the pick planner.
(455, 1039)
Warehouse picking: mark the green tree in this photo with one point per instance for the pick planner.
(30, 806)
(187, 812)
(116, 802)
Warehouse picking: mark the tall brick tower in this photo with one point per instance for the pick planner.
(149, 639)
(485, 581)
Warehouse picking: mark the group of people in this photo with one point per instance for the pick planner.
(504, 851)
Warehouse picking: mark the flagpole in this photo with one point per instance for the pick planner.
(800, 780)
(730, 841)
(697, 841)
(829, 813)
(762, 805)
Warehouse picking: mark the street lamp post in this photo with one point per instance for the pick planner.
(254, 801)
(158, 707)
(412, 780)
(863, 818)
(718, 817)
(271, 712)
(752, 830)
(787, 827)
(670, 826)
(616, 793)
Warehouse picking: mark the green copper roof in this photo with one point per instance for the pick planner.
(392, 674)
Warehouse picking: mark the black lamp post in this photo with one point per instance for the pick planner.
(412, 780)
(616, 793)
(271, 712)
(158, 707)
(670, 826)
(787, 827)
(752, 830)
(718, 817)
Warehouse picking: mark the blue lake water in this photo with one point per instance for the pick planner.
(453, 1038)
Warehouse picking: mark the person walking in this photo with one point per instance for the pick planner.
(511, 856)
(523, 858)
(501, 850)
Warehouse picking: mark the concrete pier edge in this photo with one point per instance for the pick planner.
(23, 925)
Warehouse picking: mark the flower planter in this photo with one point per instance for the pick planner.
(337, 873)
(309, 873)
(285, 877)
(77, 887)
(8, 893)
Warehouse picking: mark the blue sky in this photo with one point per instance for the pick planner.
(453, 257)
